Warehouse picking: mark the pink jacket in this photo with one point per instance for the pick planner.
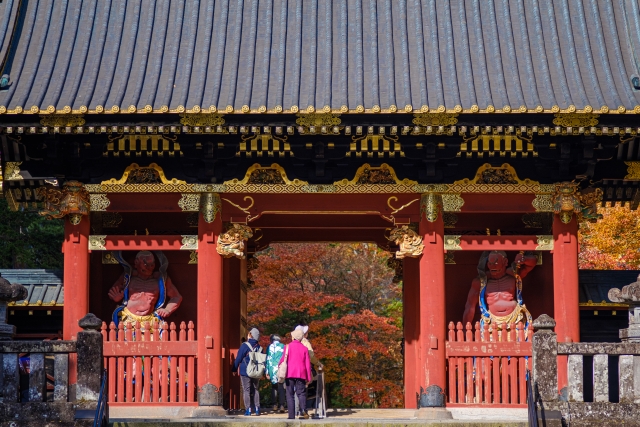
(298, 363)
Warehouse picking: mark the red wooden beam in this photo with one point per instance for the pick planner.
(133, 243)
(470, 349)
(504, 243)
(154, 348)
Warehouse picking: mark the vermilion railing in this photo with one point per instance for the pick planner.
(150, 365)
(488, 366)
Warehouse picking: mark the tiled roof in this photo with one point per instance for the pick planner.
(44, 287)
(459, 55)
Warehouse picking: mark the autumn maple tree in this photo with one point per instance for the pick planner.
(347, 295)
(613, 242)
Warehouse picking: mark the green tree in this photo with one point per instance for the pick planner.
(27, 240)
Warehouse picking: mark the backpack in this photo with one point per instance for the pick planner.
(257, 363)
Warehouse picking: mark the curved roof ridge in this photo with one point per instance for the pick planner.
(307, 56)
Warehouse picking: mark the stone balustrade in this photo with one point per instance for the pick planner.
(555, 409)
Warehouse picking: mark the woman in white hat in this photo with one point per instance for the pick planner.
(298, 374)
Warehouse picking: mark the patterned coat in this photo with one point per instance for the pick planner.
(274, 354)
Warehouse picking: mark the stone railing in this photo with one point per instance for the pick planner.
(28, 403)
(573, 410)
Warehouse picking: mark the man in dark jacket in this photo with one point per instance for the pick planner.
(249, 385)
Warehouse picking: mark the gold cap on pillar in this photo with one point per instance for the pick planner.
(210, 206)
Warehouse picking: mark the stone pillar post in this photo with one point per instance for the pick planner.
(90, 359)
(9, 373)
(431, 375)
(545, 359)
(630, 294)
(8, 292)
(210, 304)
(565, 287)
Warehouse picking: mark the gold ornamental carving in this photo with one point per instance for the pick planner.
(210, 206)
(99, 202)
(545, 243)
(543, 203)
(452, 242)
(189, 202)
(452, 202)
(566, 201)
(265, 179)
(409, 242)
(108, 258)
(201, 119)
(143, 175)
(193, 257)
(97, 242)
(111, 219)
(450, 219)
(430, 206)
(318, 119)
(12, 171)
(372, 175)
(449, 257)
(232, 242)
(488, 174)
(576, 120)
(265, 175)
(435, 119)
(73, 200)
(633, 170)
(189, 243)
(62, 120)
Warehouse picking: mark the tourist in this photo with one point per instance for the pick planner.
(305, 341)
(249, 385)
(274, 354)
(298, 374)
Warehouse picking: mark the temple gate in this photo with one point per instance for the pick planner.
(199, 139)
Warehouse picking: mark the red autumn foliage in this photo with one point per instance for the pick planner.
(347, 296)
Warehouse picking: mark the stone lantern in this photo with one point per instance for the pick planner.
(629, 294)
(8, 292)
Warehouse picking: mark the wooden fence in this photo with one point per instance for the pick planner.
(487, 366)
(150, 364)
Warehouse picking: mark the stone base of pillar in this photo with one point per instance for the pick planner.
(209, 395)
(433, 414)
(209, 412)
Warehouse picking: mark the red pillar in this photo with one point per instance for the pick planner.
(432, 333)
(565, 288)
(76, 282)
(410, 298)
(231, 325)
(210, 304)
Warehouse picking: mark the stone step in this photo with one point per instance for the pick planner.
(253, 422)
